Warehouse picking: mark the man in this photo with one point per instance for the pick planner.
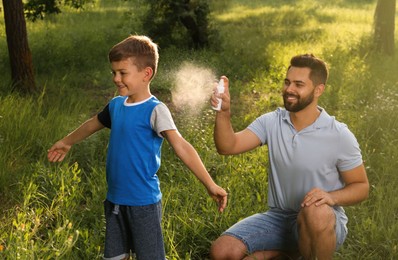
(316, 168)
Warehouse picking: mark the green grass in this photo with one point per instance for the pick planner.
(54, 211)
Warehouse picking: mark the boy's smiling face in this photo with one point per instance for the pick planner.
(130, 80)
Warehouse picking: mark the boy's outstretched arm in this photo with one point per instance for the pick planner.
(58, 151)
(187, 153)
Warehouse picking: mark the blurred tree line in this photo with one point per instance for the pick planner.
(169, 21)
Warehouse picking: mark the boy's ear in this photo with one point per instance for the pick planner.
(148, 73)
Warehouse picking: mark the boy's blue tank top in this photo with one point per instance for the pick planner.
(133, 154)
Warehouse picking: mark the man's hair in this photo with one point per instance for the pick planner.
(141, 48)
(319, 71)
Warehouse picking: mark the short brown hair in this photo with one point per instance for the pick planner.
(319, 71)
(141, 48)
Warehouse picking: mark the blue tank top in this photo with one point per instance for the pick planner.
(134, 154)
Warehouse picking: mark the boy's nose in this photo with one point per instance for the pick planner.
(116, 78)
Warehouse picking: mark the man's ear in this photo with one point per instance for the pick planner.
(319, 89)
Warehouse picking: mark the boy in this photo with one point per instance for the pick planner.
(138, 123)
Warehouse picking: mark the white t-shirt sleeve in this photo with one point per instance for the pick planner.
(161, 119)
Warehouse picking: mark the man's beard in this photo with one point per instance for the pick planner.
(300, 104)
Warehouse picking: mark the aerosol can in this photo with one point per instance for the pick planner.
(220, 89)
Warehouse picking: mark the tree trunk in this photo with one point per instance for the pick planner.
(18, 47)
(384, 26)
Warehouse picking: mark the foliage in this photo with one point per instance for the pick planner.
(35, 9)
(52, 211)
(42, 225)
(176, 22)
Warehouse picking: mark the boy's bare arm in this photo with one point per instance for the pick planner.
(187, 153)
(58, 151)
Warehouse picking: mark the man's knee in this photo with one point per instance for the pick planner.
(317, 218)
(227, 247)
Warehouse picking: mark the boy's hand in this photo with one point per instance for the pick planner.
(219, 195)
(58, 151)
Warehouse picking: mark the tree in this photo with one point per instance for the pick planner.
(18, 48)
(384, 26)
(173, 22)
(22, 75)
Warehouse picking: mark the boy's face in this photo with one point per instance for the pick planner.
(129, 80)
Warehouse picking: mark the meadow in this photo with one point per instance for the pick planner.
(55, 211)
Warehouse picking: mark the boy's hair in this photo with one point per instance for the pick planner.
(141, 48)
(319, 71)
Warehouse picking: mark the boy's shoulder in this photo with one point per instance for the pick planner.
(117, 99)
(121, 100)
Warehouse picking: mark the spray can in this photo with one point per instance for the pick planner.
(220, 89)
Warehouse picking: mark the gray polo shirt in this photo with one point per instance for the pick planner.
(300, 161)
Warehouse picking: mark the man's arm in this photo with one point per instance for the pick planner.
(356, 189)
(226, 140)
(59, 150)
(187, 153)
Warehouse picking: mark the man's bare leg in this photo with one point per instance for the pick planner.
(317, 237)
(275, 255)
(228, 248)
(231, 248)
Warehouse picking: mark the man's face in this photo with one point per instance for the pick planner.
(298, 89)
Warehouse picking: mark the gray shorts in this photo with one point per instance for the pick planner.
(133, 229)
(277, 230)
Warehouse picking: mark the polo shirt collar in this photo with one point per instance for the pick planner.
(323, 120)
(320, 122)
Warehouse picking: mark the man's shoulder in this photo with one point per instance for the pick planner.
(269, 118)
(278, 113)
(334, 125)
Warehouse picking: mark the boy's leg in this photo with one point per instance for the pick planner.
(269, 232)
(145, 226)
(117, 240)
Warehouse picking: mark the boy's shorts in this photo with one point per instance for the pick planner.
(277, 230)
(135, 229)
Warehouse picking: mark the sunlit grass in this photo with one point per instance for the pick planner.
(55, 210)
(240, 12)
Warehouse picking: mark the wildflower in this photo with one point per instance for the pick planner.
(37, 221)
(70, 240)
(1, 248)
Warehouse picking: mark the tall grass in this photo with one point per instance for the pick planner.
(54, 211)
